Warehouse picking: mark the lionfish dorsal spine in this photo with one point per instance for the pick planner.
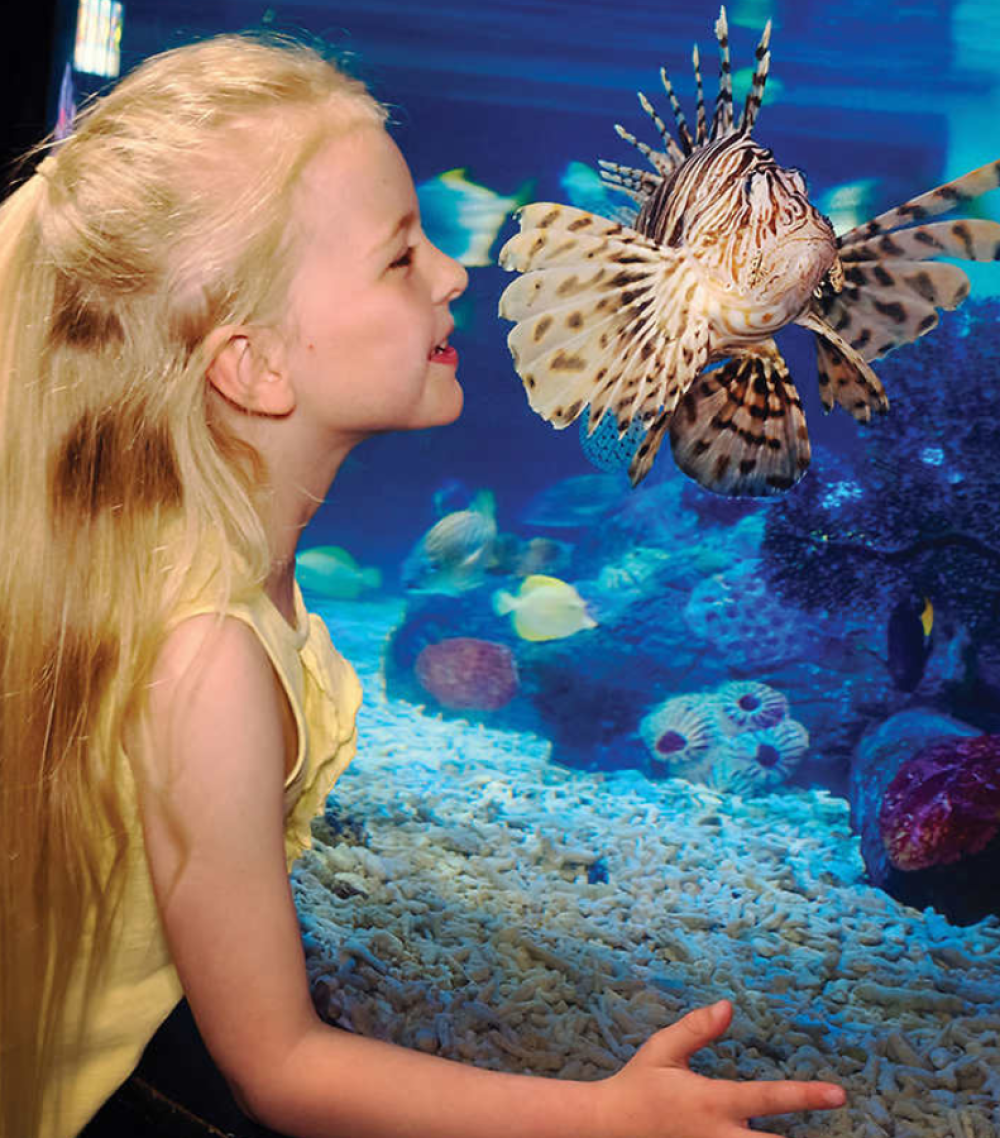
(756, 94)
(638, 184)
(662, 163)
(684, 133)
(701, 123)
(722, 120)
(671, 148)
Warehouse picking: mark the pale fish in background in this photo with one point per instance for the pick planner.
(333, 572)
(462, 217)
(544, 608)
(575, 502)
(846, 206)
(456, 552)
(726, 249)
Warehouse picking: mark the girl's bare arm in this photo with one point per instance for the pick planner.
(213, 818)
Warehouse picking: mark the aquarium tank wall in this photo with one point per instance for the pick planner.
(626, 750)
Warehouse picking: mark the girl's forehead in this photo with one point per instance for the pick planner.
(359, 175)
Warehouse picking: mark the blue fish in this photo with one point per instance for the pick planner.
(462, 217)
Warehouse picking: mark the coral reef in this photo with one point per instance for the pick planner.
(464, 673)
(756, 761)
(740, 615)
(943, 804)
(738, 739)
(918, 507)
(963, 890)
(747, 705)
(680, 735)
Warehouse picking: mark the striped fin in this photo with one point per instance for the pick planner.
(683, 132)
(672, 151)
(939, 200)
(638, 184)
(844, 375)
(972, 239)
(662, 163)
(701, 124)
(885, 304)
(756, 94)
(603, 317)
(722, 120)
(740, 429)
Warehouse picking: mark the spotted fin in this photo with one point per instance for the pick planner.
(939, 200)
(844, 375)
(740, 429)
(603, 317)
(972, 239)
(884, 304)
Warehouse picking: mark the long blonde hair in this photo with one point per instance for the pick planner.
(163, 216)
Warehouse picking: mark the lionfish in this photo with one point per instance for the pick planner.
(670, 322)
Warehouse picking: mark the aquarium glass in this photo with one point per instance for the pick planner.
(627, 750)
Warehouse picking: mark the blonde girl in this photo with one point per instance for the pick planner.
(209, 295)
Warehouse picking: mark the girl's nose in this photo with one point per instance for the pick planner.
(451, 279)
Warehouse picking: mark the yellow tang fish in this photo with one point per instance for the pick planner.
(544, 608)
(726, 248)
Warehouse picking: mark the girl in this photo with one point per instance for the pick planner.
(214, 290)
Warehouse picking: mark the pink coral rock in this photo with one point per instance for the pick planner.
(466, 674)
(943, 804)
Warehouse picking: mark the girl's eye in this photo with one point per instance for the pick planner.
(405, 260)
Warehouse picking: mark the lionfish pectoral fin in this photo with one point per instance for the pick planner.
(603, 317)
(844, 374)
(739, 429)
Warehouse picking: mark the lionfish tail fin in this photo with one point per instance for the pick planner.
(756, 94)
(941, 199)
(844, 375)
(722, 120)
(739, 430)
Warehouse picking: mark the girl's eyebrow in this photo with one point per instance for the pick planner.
(401, 226)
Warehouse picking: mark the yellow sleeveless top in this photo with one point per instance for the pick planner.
(141, 986)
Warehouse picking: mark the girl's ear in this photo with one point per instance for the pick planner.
(248, 369)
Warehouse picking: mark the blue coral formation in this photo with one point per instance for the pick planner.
(741, 617)
(917, 509)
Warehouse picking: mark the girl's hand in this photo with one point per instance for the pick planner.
(656, 1095)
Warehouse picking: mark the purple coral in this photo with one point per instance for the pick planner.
(943, 804)
(466, 674)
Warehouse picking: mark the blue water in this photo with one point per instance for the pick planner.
(889, 99)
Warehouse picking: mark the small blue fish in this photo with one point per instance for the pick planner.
(462, 217)
(456, 551)
(586, 189)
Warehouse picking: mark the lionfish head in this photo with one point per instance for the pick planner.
(752, 227)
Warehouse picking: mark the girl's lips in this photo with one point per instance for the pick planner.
(447, 356)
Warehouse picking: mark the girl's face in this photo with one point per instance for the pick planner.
(368, 306)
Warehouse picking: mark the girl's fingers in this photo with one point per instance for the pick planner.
(784, 1096)
(673, 1046)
